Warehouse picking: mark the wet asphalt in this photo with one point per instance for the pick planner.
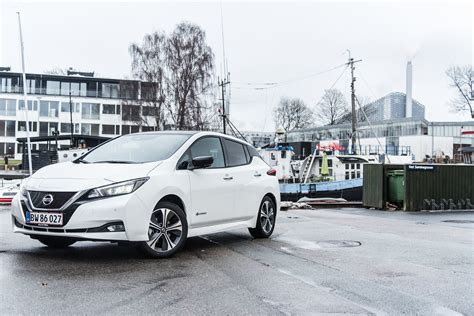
(351, 261)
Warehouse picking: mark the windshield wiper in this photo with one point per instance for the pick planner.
(115, 161)
(80, 160)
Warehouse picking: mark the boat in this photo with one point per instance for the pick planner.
(323, 174)
(8, 189)
(350, 190)
(279, 157)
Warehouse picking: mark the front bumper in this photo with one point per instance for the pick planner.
(87, 220)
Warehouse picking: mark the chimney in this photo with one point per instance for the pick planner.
(409, 100)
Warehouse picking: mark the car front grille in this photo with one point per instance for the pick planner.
(67, 212)
(40, 199)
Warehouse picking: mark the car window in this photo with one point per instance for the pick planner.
(252, 151)
(236, 153)
(136, 148)
(247, 156)
(209, 146)
(184, 161)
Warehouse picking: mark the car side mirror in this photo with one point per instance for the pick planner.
(202, 162)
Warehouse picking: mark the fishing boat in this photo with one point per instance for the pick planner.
(323, 174)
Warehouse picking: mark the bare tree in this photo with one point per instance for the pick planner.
(332, 107)
(291, 114)
(190, 62)
(148, 65)
(461, 78)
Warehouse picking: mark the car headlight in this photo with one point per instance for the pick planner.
(23, 187)
(119, 188)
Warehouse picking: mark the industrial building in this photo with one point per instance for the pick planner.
(390, 107)
(396, 126)
(407, 136)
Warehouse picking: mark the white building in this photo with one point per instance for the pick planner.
(405, 136)
(259, 139)
(100, 106)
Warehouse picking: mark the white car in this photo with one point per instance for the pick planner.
(154, 189)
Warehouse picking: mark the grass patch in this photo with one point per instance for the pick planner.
(10, 162)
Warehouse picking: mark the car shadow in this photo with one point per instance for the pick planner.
(104, 252)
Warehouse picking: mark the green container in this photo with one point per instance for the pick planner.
(396, 186)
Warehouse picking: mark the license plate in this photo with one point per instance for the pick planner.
(44, 218)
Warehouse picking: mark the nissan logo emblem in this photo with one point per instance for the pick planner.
(47, 199)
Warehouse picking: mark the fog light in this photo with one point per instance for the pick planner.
(116, 228)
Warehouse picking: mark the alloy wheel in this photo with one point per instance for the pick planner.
(267, 216)
(165, 230)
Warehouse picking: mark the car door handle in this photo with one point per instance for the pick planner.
(227, 177)
(256, 174)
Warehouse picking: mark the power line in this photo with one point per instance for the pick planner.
(234, 130)
(266, 106)
(367, 84)
(372, 128)
(275, 84)
(270, 85)
(340, 76)
(331, 87)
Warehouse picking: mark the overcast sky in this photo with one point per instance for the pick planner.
(264, 42)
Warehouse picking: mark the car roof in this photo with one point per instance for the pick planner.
(230, 137)
(166, 132)
(192, 133)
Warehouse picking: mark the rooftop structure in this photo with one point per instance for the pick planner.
(390, 107)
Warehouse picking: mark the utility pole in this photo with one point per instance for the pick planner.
(222, 84)
(70, 116)
(351, 63)
(25, 100)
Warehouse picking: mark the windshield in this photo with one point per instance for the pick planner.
(136, 148)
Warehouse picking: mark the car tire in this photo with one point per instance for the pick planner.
(266, 219)
(166, 237)
(56, 242)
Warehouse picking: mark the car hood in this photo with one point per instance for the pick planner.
(68, 176)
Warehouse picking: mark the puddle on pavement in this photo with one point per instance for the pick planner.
(338, 243)
(322, 244)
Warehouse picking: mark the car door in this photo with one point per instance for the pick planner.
(246, 180)
(212, 192)
(258, 183)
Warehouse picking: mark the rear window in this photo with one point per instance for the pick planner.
(236, 153)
